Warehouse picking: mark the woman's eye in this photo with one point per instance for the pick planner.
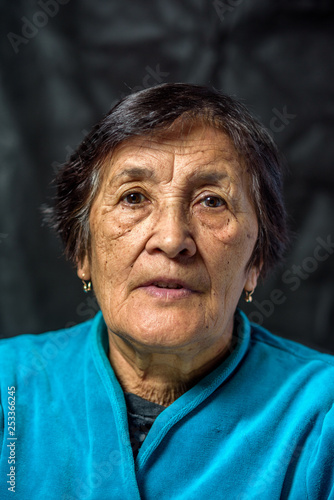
(134, 198)
(213, 201)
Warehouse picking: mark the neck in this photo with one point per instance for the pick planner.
(157, 376)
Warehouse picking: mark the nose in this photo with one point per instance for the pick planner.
(171, 234)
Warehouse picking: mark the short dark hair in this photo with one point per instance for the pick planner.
(153, 111)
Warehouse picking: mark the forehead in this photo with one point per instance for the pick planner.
(198, 147)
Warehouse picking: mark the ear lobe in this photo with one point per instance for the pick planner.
(252, 278)
(83, 269)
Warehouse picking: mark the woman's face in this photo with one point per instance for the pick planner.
(172, 229)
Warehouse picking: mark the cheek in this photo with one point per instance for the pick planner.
(226, 249)
(115, 245)
(118, 221)
(105, 257)
(222, 235)
(237, 233)
(222, 230)
(108, 232)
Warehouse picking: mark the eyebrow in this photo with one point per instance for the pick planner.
(208, 177)
(135, 173)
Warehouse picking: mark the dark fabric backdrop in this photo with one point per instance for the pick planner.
(65, 62)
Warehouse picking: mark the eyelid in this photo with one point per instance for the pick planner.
(208, 194)
(212, 195)
(137, 190)
(220, 200)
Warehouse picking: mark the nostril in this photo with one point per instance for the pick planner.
(171, 239)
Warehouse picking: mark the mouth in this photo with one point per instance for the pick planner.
(162, 284)
(166, 288)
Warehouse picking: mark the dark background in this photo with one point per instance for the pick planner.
(64, 63)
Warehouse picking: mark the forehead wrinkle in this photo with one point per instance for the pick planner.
(212, 155)
(223, 157)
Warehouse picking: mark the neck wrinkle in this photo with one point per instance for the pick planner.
(161, 384)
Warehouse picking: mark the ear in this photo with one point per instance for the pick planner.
(83, 269)
(252, 277)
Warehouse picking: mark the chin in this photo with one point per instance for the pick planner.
(169, 334)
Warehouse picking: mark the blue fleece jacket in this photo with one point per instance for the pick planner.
(261, 426)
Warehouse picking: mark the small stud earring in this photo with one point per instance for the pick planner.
(87, 286)
(249, 294)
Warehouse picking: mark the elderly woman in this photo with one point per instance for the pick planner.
(171, 209)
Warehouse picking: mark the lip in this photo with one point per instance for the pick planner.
(153, 290)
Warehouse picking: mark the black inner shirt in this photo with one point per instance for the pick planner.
(141, 416)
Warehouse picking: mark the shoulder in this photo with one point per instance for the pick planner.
(288, 349)
(292, 367)
(34, 352)
(270, 347)
(40, 339)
